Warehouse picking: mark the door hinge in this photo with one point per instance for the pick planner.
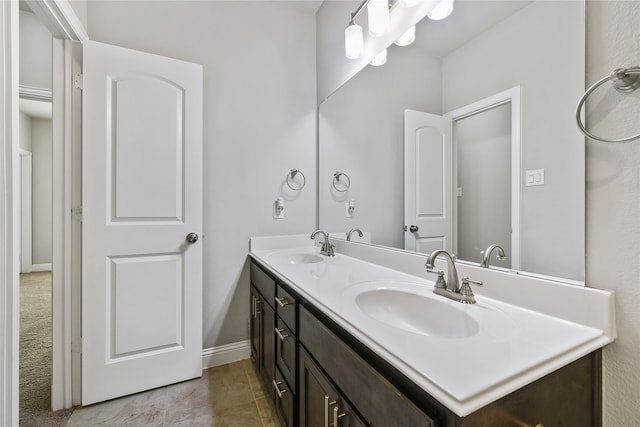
(77, 213)
(78, 81)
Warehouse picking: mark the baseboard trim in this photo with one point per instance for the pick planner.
(41, 267)
(221, 355)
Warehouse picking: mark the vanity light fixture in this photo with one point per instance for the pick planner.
(353, 40)
(378, 13)
(441, 11)
(379, 59)
(408, 3)
(407, 37)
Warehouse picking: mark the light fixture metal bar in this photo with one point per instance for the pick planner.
(358, 10)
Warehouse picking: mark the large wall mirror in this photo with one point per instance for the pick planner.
(467, 138)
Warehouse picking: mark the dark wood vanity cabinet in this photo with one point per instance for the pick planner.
(320, 375)
(274, 345)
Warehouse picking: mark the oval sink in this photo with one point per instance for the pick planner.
(297, 258)
(416, 313)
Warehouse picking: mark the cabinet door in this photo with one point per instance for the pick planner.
(317, 396)
(284, 400)
(255, 325)
(267, 358)
(320, 404)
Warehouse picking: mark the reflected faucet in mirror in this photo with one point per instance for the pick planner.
(486, 254)
(355, 230)
(327, 247)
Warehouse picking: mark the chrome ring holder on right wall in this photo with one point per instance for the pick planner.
(625, 80)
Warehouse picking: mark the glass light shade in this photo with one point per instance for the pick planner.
(379, 59)
(378, 13)
(407, 38)
(408, 3)
(353, 41)
(441, 11)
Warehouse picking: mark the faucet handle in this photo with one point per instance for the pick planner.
(440, 282)
(467, 281)
(466, 294)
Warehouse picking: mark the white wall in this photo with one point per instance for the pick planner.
(36, 136)
(259, 122)
(35, 52)
(41, 140)
(613, 200)
(552, 238)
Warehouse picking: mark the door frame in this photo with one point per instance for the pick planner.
(62, 21)
(513, 96)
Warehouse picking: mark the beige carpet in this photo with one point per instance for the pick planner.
(35, 353)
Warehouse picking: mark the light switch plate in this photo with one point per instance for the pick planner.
(534, 177)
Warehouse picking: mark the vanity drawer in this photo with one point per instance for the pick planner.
(285, 306)
(379, 402)
(263, 283)
(286, 352)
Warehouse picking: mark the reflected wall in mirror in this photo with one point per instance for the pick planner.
(535, 46)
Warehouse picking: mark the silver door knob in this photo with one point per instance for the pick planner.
(413, 229)
(192, 237)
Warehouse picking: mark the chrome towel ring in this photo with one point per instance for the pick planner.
(290, 180)
(336, 182)
(625, 80)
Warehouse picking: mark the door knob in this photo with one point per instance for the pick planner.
(192, 237)
(413, 228)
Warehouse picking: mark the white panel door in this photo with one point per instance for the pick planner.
(428, 174)
(142, 195)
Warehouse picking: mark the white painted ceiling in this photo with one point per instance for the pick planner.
(36, 109)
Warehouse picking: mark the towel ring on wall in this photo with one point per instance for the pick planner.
(291, 176)
(625, 80)
(336, 181)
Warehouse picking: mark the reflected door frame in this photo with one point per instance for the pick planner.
(512, 96)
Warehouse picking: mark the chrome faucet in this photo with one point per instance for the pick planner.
(355, 230)
(450, 287)
(451, 284)
(327, 247)
(486, 254)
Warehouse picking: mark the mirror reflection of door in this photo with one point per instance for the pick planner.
(483, 214)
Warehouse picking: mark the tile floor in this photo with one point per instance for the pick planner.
(228, 395)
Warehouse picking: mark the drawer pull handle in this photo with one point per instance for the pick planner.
(281, 334)
(276, 385)
(282, 302)
(327, 403)
(336, 416)
(257, 306)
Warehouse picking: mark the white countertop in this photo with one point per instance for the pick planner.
(513, 346)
